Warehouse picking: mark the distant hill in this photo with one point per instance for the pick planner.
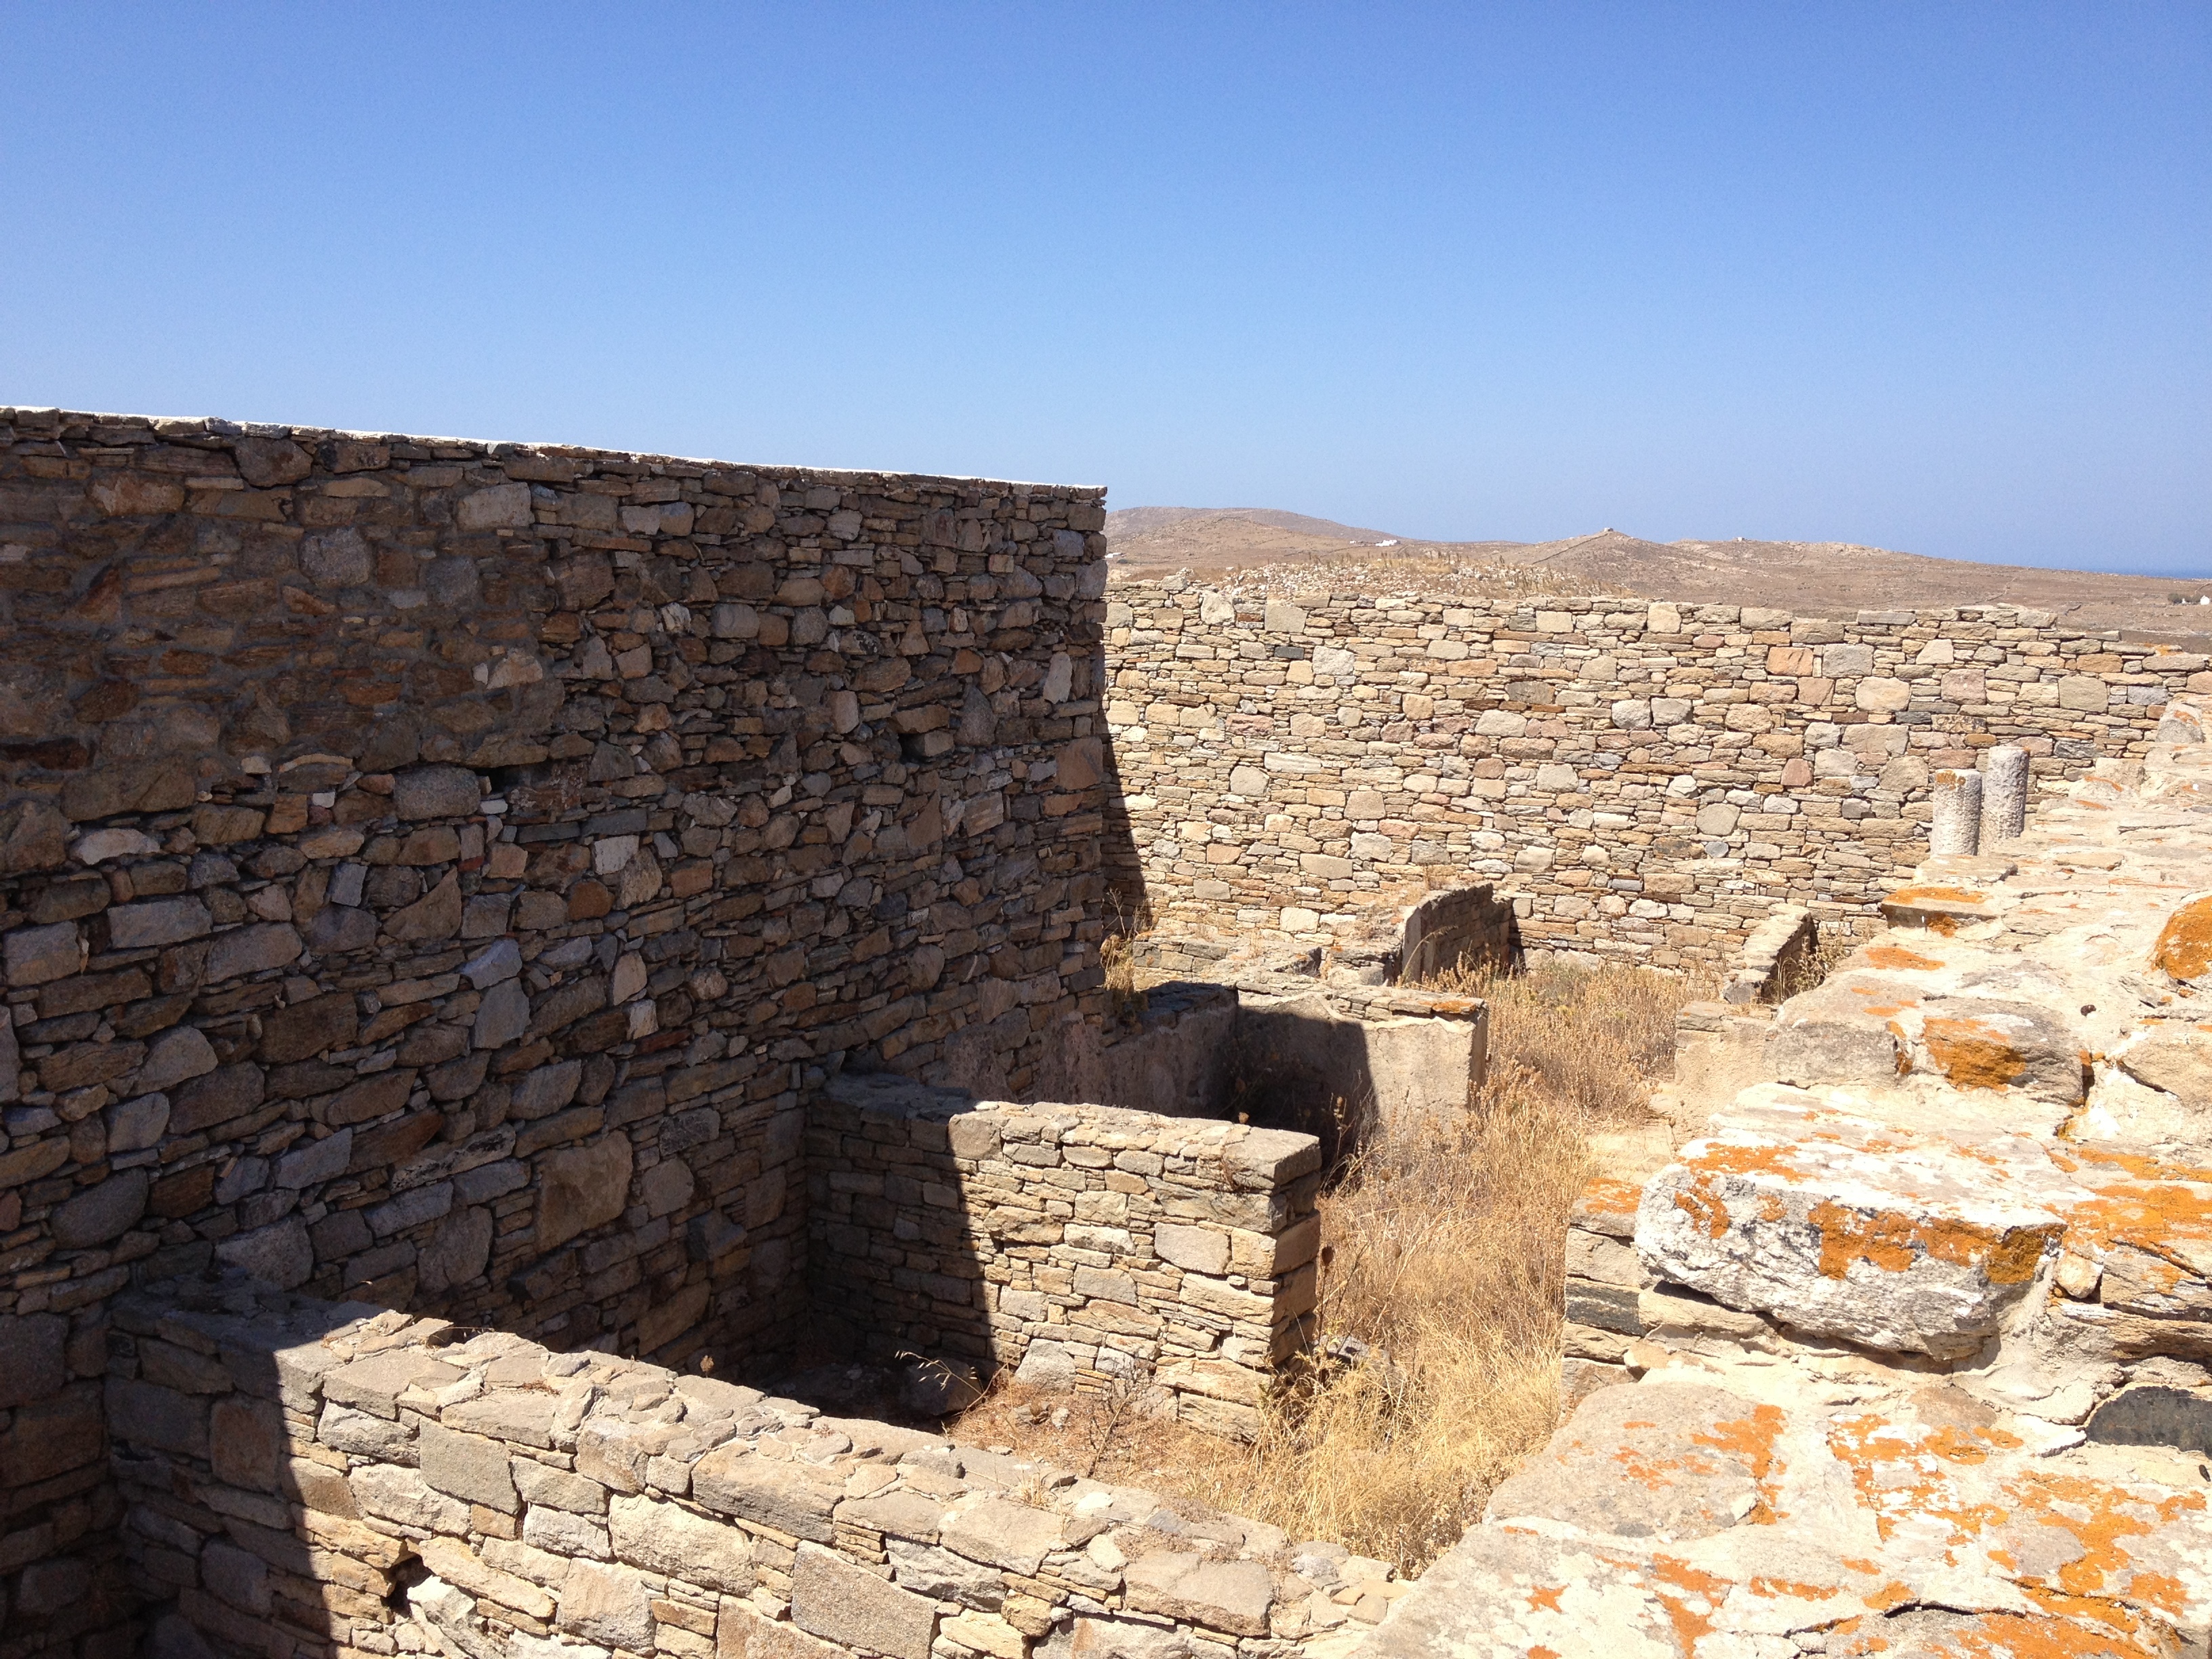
(1807, 578)
(1151, 521)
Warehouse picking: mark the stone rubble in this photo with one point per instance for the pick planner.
(1906, 1351)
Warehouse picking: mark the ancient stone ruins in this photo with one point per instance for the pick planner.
(504, 944)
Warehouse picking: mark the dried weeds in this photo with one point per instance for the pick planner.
(1440, 1301)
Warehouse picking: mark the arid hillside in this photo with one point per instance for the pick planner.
(1288, 551)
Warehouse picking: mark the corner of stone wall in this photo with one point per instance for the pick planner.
(1083, 1245)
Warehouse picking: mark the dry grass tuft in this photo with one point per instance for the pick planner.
(1800, 974)
(1440, 1295)
(1117, 956)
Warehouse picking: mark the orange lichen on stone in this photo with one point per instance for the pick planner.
(1936, 896)
(1696, 1596)
(2103, 1518)
(1973, 1056)
(1604, 1195)
(1708, 1213)
(1896, 955)
(2161, 1209)
(2184, 943)
(2094, 1615)
(1654, 1473)
(1753, 1439)
(2000, 1636)
(1898, 1469)
(1892, 1241)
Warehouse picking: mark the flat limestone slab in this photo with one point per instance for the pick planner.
(1844, 1225)
(1675, 1517)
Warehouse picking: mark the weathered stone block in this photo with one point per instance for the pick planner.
(668, 1537)
(1005, 1534)
(792, 1499)
(840, 1602)
(1234, 1596)
(467, 1466)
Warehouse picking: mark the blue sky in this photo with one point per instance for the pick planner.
(1932, 276)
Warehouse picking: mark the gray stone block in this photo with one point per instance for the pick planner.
(667, 1538)
(101, 1212)
(37, 956)
(734, 1480)
(158, 922)
(32, 1344)
(469, 1465)
(436, 792)
(832, 1599)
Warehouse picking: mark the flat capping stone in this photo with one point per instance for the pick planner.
(495, 451)
(1250, 1155)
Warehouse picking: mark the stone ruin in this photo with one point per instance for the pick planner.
(1904, 1350)
(507, 946)
(504, 943)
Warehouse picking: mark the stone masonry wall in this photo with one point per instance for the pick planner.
(434, 873)
(1081, 1243)
(306, 1479)
(1644, 780)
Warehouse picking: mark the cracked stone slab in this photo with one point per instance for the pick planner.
(1843, 1226)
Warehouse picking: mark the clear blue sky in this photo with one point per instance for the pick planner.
(1927, 275)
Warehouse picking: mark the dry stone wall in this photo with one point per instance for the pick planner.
(1644, 780)
(306, 1479)
(435, 872)
(1084, 1244)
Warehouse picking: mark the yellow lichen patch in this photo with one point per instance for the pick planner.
(1893, 1241)
(1973, 1056)
(2184, 943)
(1896, 955)
(1936, 896)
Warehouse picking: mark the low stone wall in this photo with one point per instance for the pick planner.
(307, 1480)
(1333, 1058)
(1643, 780)
(1080, 1244)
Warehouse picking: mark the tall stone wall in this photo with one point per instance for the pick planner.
(436, 873)
(1645, 781)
